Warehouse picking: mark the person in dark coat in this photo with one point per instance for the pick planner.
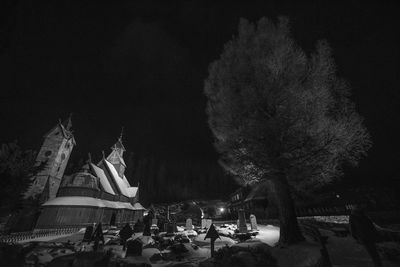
(146, 230)
(98, 236)
(125, 233)
(364, 231)
(87, 237)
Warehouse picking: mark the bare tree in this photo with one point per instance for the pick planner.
(281, 115)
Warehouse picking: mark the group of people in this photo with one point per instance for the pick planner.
(97, 235)
(94, 236)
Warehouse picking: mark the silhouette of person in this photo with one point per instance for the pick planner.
(364, 231)
(125, 233)
(97, 236)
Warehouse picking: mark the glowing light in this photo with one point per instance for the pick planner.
(221, 209)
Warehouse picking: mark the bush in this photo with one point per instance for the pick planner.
(242, 256)
(390, 251)
(138, 227)
(11, 255)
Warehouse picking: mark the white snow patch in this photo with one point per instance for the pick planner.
(103, 179)
(268, 234)
(88, 201)
(120, 182)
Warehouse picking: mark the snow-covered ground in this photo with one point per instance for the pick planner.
(346, 252)
(45, 238)
(268, 234)
(343, 251)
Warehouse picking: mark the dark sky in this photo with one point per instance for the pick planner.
(141, 65)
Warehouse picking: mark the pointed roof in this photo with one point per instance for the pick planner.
(57, 126)
(118, 144)
(115, 158)
(118, 180)
(121, 182)
(65, 128)
(103, 179)
(67, 123)
(126, 181)
(132, 191)
(138, 206)
(116, 155)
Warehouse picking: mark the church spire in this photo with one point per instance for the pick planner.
(122, 132)
(118, 146)
(68, 122)
(116, 156)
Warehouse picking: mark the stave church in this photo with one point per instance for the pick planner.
(96, 193)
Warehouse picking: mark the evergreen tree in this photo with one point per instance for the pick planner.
(17, 167)
(281, 115)
(161, 182)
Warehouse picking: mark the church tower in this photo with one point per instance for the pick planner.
(55, 151)
(116, 156)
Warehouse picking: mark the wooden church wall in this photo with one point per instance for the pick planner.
(70, 216)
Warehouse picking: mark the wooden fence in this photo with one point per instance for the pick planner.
(31, 235)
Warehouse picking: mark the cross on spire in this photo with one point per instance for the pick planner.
(69, 121)
(122, 132)
(118, 146)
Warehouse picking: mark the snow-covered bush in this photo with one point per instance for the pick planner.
(244, 256)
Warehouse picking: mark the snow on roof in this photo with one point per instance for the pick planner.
(118, 180)
(89, 201)
(119, 145)
(138, 206)
(132, 191)
(126, 181)
(116, 158)
(121, 159)
(103, 179)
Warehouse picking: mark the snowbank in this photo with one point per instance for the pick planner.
(220, 242)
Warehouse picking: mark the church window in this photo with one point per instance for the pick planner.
(47, 153)
(62, 156)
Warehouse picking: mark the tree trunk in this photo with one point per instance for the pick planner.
(289, 228)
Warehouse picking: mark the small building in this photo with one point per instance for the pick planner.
(253, 199)
(97, 193)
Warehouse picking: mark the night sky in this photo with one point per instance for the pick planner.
(141, 65)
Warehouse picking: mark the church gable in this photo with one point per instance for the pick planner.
(115, 158)
(118, 180)
(105, 184)
(103, 166)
